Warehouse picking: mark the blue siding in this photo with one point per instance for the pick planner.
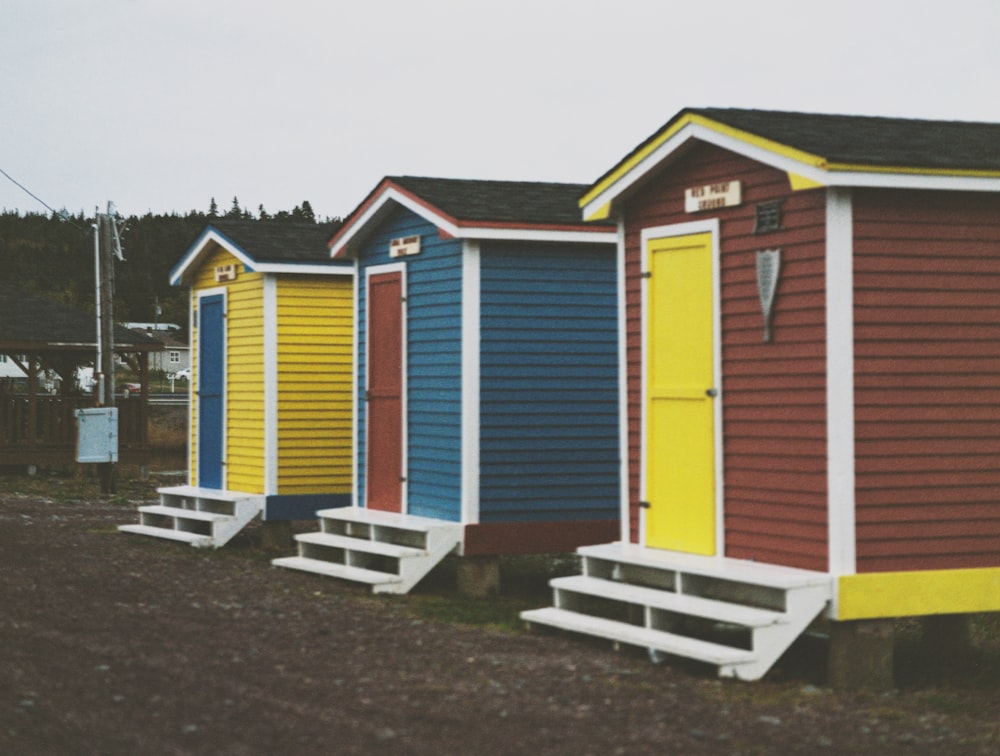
(548, 384)
(434, 382)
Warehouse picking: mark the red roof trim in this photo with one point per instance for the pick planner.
(383, 186)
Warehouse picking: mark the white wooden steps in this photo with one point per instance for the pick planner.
(737, 615)
(202, 517)
(390, 552)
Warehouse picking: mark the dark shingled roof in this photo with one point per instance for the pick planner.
(279, 242)
(867, 140)
(872, 141)
(28, 322)
(517, 202)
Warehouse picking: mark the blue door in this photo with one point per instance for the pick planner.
(211, 382)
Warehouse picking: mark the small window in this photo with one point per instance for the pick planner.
(174, 357)
(768, 217)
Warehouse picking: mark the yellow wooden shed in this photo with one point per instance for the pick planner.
(271, 408)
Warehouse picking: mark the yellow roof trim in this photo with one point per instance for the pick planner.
(602, 213)
(699, 120)
(957, 172)
(797, 181)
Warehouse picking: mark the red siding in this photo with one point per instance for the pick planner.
(927, 380)
(774, 395)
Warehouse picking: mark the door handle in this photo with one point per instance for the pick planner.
(712, 393)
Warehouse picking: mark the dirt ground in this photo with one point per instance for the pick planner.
(118, 644)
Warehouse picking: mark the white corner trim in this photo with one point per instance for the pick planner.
(471, 347)
(623, 429)
(355, 391)
(840, 381)
(270, 366)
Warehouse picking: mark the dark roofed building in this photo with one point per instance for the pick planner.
(262, 247)
(32, 323)
(810, 311)
(40, 335)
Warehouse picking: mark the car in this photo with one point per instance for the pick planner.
(183, 375)
(130, 389)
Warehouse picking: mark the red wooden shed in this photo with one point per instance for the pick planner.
(811, 313)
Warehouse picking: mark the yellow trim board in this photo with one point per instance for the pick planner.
(635, 159)
(799, 183)
(913, 594)
(630, 162)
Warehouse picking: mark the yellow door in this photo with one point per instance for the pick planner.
(680, 425)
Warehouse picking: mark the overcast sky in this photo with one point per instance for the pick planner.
(160, 105)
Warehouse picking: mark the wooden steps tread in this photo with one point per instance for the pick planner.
(209, 494)
(711, 653)
(332, 569)
(174, 535)
(187, 514)
(386, 519)
(720, 568)
(367, 546)
(736, 614)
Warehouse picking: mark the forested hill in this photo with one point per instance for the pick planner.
(54, 257)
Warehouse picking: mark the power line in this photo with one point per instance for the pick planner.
(61, 213)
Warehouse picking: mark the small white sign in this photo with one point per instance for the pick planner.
(225, 273)
(713, 196)
(404, 246)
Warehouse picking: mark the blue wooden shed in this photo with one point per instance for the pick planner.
(487, 395)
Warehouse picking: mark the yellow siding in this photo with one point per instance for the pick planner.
(315, 350)
(244, 374)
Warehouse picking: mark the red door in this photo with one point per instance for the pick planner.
(384, 478)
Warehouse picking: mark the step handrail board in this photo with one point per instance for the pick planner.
(719, 568)
(363, 545)
(636, 635)
(336, 570)
(735, 614)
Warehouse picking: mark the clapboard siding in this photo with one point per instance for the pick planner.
(245, 384)
(927, 330)
(548, 384)
(773, 394)
(244, 415)
(433, 335)
(315, 347)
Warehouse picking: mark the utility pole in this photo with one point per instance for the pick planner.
(106, 246)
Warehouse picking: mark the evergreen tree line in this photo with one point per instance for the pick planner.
(53, 256)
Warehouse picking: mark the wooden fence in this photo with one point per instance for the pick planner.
(41, 430)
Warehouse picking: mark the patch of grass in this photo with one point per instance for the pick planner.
(498, 612)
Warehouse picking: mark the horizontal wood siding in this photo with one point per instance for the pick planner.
(548, 383)
(244, 419)
(773, 394)
(927, 380)
(434, 370)
(315, 348)
(245, 384)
